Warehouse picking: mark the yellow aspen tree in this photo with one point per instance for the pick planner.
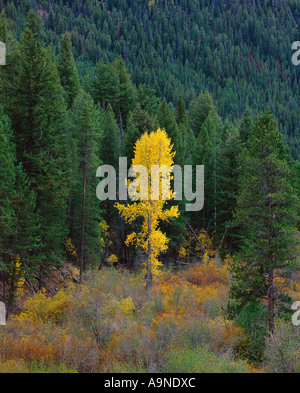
(154, 152)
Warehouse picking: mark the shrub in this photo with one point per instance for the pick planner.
(45, 309)
(283, 349)
(201, 361)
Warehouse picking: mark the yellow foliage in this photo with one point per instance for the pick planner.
(204, 275)
(17, 278)
(71, 249)
(182, 253)
(103, 234)
(151, 3)
(112, 259)
(122, 307)
(44, 309)
(207, 244)
(226, 334)
(153, 149)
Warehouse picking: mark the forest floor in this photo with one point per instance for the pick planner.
(110, 323)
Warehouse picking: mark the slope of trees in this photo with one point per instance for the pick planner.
(240, 51)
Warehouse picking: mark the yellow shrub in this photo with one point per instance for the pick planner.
(43, 308)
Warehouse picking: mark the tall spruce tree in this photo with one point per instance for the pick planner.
(127, 92)
(85, 208)
(138, 123)
(110, 143)
(19, 231)
(105, 87)
(227, 180)
(167, 122)
(7, 187)
(266, 208)
(67, 70)
(33, 98)
(203, 154)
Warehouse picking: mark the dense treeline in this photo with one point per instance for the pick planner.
(56, 128)
(240, 51)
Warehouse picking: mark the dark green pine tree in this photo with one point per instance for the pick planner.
(227, 181)
(266, 209)
(166, 121)
(200, 109)
(67, 70)
(7, 189)
(109, 154)
(85, 208)
(180, 115)
(105, 87)
(33, 98)
(19, 231)
(127, 92)
(110, 143)
(203, 154)
(185, 130)
(245, 126)
(138, 123)
(147, 98)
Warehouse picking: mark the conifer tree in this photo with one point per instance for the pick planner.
(68, 73)
(245, 126)
(227, 180)
(147, 98)
(33, 98)
(138, 123)
(127, 93)
(200, 110)
(266, 208)
(167, 122)
(110, 143)
(19, 231)
(181, 115)
(203, 154)
(85, 208)
(7, 187)
(105, 87)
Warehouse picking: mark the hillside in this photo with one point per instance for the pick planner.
(240, 51)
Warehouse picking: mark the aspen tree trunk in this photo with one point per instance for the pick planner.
(149, 276)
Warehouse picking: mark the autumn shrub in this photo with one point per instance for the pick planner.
(46, 309)
(226, 336)
(201, 360)
(205, 275)
(212, 306)
(128, 368)
(283, 349)
(110, 323)
(14, 367)
(136, 345)
(21, 367)
(195, 333)
(30, 348)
